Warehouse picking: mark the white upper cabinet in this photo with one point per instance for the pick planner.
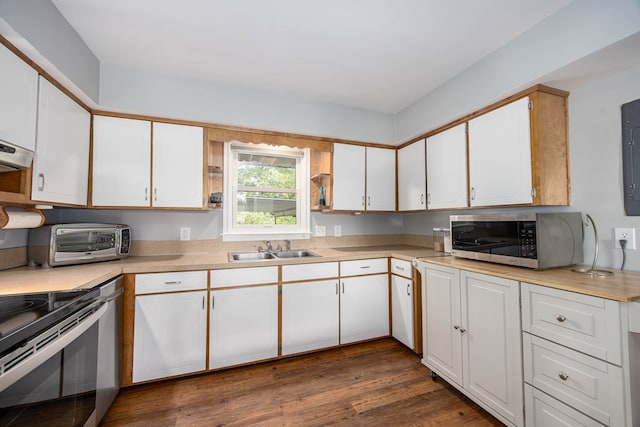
(447, 169)
(348, 177)
(411, 177)
(61, 163)
(500, 156)
(18, 100)
(121, 162)
(381, 179)
(363, 178)
(177, 165)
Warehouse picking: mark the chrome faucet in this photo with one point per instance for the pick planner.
(287, 245)
(269, 247)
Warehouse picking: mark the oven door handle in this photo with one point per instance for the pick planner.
(41, 356)
(112, 296)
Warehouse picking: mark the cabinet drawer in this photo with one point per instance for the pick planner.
(170, 282)
(545, 411)
(591, 386)
(582, 322)
(321, 270)
(243, 276)
(364, 266)
(401, 268)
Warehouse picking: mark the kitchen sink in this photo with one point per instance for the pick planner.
(260, 256)
(302, 253)
(250, 256)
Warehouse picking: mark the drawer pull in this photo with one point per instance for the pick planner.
(366, 266)
(399, 268)
(174, 282)
(563, 376)
(560, 318)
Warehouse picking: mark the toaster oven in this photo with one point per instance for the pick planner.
(67, 244)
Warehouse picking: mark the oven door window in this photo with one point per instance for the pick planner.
(59, 392)
(85, 241)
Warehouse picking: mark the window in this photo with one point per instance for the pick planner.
(267, 190)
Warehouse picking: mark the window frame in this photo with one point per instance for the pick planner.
(234, 232)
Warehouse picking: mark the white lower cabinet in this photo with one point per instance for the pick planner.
(364, 307)
(402, 302)
(310, 316)
(471, 325)
(170, 335)
(243, 325)
(544, 410)
(575, 359)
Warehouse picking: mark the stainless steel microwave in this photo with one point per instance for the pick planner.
(66, 244)
(533, 240)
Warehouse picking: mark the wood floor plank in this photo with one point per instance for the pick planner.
(378, 383)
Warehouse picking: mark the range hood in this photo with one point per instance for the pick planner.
(13, 157)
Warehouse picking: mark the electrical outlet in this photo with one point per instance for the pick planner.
(321, 231)
(337, 230)
(628, 234)
(185, 233)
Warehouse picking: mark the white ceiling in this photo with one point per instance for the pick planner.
(379, 55)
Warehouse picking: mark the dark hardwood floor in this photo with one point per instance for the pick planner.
(379, 383)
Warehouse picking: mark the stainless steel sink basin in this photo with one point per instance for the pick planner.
(250, 256)
(302, 253)
(261, 256)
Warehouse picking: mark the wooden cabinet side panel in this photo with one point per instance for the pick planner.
(549, 149)
(128, 314)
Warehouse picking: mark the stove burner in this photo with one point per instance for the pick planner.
(19, 304)
(24, 315)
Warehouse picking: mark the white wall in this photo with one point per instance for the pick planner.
(165, 225)
(574, 32)
(133, 91)
(38, 29)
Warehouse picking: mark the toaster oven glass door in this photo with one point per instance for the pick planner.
(85, 240)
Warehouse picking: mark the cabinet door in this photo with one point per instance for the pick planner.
(412, 177)
(348, 177)
(381, 179)
(61, 163)
(364, 308)
(170, 335)
(121, 162)
(243, 325)
(309, 316)
(442, 341)
(447, 169)
(178, 170)
(492, 343)
(402, 310)
(18, 100)
(500, 156)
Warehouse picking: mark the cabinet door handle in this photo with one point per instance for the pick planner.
(473, 193)
(40, 181)
(456, 327)
(203, 302)
(213, 302)
(146, 193)
(337, 288)
(561, 318)
(563, 376)
(362, 200)
(343, 287)
(174, 282)
(408, 288)
(462, 330)
(155, 194)
(369, 199)
(422, 199)
(428, 198)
